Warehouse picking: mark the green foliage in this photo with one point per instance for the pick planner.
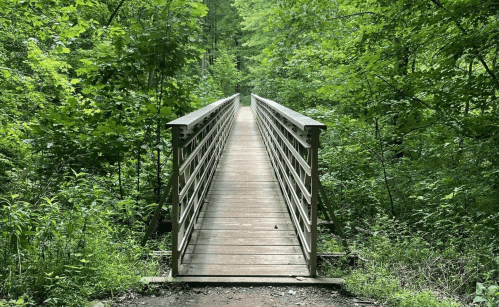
(226, 74)
(487, 295)
(409, 92)
(68, 248)
(208, 91)
(84, 153)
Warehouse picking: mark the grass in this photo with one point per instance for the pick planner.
(107, 270)
(405, 273)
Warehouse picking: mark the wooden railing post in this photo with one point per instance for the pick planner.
(315, 131)
(175, 200)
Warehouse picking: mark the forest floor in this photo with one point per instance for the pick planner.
(240, 296)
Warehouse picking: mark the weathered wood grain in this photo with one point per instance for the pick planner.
(241, 225)
(271, 241)
(243, 270)
(245, 208)
(243, 259)
(241, 214)
(244, 233)
(232, 281)
(244, 250)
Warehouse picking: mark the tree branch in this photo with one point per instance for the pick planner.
(351, 15)
(460, 27)
(114, 13)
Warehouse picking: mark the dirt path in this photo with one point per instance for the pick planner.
(242, 296)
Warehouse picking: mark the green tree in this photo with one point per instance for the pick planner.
(225, 74)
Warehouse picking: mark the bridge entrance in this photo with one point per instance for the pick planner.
(245, 191)
(244, 227)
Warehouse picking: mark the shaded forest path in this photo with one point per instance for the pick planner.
(269, 296)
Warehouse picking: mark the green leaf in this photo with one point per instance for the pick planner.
(61, 49)
(479, 299)
(479, 288)
(5, 73)
(198, 9)
(72, 101)
(449, 196)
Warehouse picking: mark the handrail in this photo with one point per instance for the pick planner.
(188, 121)
(292, 142)
(298, 119)
(198, 140)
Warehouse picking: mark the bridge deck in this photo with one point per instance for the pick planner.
(244, 228)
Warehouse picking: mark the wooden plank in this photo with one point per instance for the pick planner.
(245, 203)
(240, 208)
(247, 185)
(248, 280)
(243, 270)
(217, 198)
(257, 188)
(243, 259)
(245, 154)
(243, 198)
(244, 250)
(236, 157)
(246, 170)
(248, 143)
(245, 163)
(242, 214)
(247, 199)
(250, 220)
(239, 159)
(241, 148)
(244, 177)
(272, 241)
(243, 191)
(255, 206)
(243, 233)
(243, 226)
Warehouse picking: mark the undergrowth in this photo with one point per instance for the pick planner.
(78, 246)
(406, 270)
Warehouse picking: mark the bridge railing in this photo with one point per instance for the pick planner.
(292, 141)
(198, 139)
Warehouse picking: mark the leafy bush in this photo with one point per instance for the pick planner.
(68, 249)
(487, 295)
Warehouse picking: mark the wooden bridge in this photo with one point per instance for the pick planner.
(245, 191)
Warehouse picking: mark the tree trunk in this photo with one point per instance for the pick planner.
(138, 174)
(119, 167)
